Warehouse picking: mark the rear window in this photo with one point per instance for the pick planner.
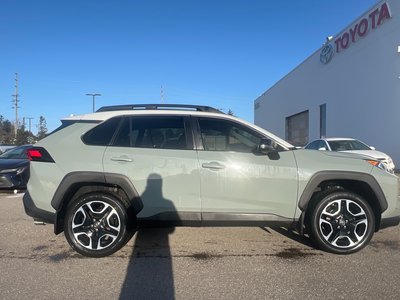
(67, 123)
(15, 153)
(102, 134)
(162, 132)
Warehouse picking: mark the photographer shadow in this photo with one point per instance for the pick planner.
(149, 274)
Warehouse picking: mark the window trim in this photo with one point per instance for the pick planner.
(327, 146)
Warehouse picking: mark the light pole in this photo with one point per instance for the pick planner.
(94, 96)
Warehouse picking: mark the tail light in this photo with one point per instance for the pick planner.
(39, 154)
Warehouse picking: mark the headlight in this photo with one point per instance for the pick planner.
(16, 170)
(378, 164)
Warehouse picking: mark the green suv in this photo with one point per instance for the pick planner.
(101, 176)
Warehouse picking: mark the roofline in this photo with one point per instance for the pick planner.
(339, 138)
(161, 106)
(102, 116)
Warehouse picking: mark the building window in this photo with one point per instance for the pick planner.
(322, 120)
(297, 129)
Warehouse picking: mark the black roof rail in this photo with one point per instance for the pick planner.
(159, 106)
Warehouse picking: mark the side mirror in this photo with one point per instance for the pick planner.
(265, 146)
(322, 149)
(372, 148)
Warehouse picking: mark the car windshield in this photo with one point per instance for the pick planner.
(347, 145)
(16, 153)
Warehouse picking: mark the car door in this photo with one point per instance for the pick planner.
(156, 153)
(238, 183)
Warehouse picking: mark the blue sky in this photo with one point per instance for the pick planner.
(219, 53)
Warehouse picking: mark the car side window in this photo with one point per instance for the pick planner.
(322, 144)
(102, 134)
(314, 145)
(162, 132)
(223, 135)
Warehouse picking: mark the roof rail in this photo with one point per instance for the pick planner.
(159, 106)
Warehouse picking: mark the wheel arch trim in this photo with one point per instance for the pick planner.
(320, 177)
(92, 177)
(78, 178)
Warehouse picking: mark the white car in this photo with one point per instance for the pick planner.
(353, 146)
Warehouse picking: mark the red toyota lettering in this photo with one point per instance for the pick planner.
(345, 40)
(337, 42)
(353, 32)
(363, 27)
(384, 13)
(372, 16)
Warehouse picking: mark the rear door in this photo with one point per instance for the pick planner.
(157, 154)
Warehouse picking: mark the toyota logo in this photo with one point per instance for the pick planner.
(326, 54)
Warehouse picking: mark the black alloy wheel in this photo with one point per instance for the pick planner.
(342, 222)
(96, 225)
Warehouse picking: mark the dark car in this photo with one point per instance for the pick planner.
(14, 168)
(5, 147)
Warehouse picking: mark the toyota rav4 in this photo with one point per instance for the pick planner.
(100, 176)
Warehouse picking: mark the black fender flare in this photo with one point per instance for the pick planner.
(319, 177)
(63, 194)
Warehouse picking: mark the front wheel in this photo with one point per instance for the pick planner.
(342, 223)
(96, 225)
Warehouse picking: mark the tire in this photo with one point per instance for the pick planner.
(342, 222)
(96, 225)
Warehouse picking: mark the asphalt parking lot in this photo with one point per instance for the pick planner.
(191, 263)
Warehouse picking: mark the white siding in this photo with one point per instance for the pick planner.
(360, 86)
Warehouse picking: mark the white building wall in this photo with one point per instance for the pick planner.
(360, 86)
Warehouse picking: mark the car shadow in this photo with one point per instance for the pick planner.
(293, 235)
(149, 273)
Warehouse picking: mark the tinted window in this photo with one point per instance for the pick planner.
(152, 132)
(15, 153)
(102, 134)
(322, 144)
(317, 145)
(221, 135)
(313, 146)
(346, 145)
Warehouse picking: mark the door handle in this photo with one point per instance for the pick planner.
(121, 158)
(213, 166)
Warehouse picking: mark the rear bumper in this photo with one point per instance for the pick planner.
(36, 213)
(389, 222)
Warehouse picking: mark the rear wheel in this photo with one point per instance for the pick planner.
(96, 225)
(342, 222)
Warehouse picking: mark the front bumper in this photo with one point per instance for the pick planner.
(12, 181)
(36, 213)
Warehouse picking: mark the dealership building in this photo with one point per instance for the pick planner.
(350, 87)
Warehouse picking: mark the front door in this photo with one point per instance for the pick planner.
(239, 183)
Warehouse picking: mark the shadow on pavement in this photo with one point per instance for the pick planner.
(293, 235)
(149, 274)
